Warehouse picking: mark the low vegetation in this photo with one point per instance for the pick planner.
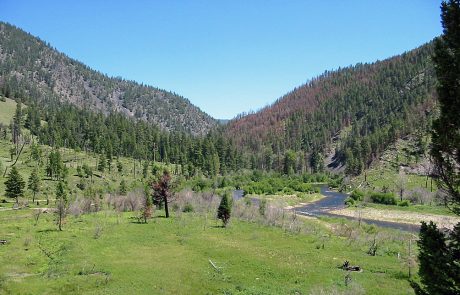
(110, 251)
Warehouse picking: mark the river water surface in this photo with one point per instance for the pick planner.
(335, 200)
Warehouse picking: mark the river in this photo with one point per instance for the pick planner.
(335, 200)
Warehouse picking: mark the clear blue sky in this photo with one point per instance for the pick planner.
(226, 56)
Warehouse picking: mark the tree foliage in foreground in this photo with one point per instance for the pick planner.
(446, 129)
(439, 259)
(439, 254)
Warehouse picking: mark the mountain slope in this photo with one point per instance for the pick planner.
(376, 103)
(32, 69)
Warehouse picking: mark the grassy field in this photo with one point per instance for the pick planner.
(111, 253)
(438, 210)
(7, 109)
(105, 253)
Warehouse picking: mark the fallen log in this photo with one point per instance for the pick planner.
(346, 266)
(214, 266)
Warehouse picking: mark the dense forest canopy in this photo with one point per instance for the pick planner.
(374, 103)
(344, 118)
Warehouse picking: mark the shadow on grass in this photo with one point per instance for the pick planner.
(48, 230)
(217, 226)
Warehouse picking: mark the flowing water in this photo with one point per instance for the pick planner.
(336, 200)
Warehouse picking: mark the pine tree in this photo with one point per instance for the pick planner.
(446, 129)
(147, 211)
(34, 183)
(55, 165)
(14, 184)
(17, 121)
(120, 167)
(145, 169)
(102, 163)
(123, 188)
(289, 162)
(439, 254)
(439, 261)
(61, 200)
(225, 209)
(36, 154)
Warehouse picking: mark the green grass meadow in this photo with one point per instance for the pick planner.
(107, 253)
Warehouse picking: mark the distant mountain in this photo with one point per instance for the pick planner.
(347, 116)
(32, 69)
(223, 121)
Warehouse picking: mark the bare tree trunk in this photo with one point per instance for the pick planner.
(166, 207)
(60, 218)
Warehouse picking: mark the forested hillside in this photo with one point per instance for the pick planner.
(357, 111)
(344, 119)
(33, 71)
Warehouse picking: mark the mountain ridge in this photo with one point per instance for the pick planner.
(30, 67)
(381, 101)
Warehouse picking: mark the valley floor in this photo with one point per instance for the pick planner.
(111, 253)
(391, 215)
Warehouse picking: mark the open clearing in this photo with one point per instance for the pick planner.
(110, 253)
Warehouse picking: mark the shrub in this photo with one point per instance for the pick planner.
(349, 201)
(201, 185)
(262, 207)
(383, 198)
(188, 208)
(357, 195)
(404, 203)
(288, 191)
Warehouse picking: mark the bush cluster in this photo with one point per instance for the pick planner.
(383, 198)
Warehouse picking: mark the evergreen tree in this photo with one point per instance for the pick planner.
(33, 120)
(145, 169)
(439, 261)
(156, 170)
(123, 188)
(147, 210)
(439, 254)
(55, 165)
(88, 171)
(446, 129)
(109, 156)
(225, 209)
(120, 167)
(14, 184)
(61, 201)
(36, 154)
(289, 162)
(17, 121)
(34, 183)
(102, 163)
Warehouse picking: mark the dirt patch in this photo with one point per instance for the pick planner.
(19, 276)
(398, 216)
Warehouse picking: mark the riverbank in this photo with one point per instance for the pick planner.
(292, 201)
(396, 216)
